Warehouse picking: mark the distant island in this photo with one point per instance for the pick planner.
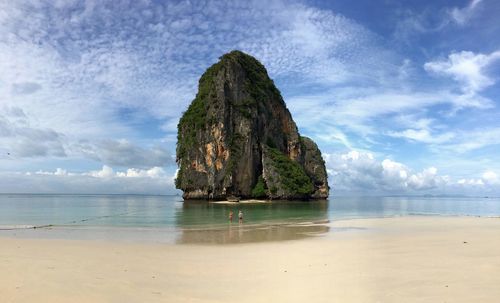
(237, 139)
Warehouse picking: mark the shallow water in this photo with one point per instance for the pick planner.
(168, 219)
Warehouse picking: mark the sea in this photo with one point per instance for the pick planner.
(168, 219)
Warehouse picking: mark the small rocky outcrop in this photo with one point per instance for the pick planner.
(237, 138)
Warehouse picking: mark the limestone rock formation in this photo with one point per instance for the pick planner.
(237, 138)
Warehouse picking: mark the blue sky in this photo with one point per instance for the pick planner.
(401, 96)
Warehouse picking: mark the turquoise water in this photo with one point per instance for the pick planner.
(171, 212)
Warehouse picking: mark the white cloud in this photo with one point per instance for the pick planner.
(356, 172)
(108, 172)
(422, 135)
(427, 179)
(123, 153)
(103, 181)
(20, 139)
(490, 177)
(470, 182)
(412, 24)
(430, 21)
(60, 172)
(105, 172)
(467, 68)
(25, 88)
(474, 139)
(155, 172)
(462, 15)
(488, 180)
(332, 134)
(329, 116)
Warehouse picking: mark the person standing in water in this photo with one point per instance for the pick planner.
(231, 216)
(240, 216)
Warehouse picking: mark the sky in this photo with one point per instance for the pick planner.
(402, 97)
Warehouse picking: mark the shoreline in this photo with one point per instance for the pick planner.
(243, 201)
(399, 259)
(215, 234)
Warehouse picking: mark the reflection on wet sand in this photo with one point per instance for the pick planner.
(251, 233)
(201, 222)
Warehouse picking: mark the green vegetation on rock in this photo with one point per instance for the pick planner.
(195, 118)
(316, 155)
(258, 83)
(178, 181)
(260, 189)
(292, 175)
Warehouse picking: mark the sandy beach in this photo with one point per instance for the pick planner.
(404, 259)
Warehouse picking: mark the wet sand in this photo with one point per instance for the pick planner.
(405, 259)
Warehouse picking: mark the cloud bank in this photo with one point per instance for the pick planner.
(362, 173)
(104, 181)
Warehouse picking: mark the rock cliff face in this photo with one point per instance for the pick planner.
(237, 138)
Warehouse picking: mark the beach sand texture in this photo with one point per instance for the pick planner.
(404, 259)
